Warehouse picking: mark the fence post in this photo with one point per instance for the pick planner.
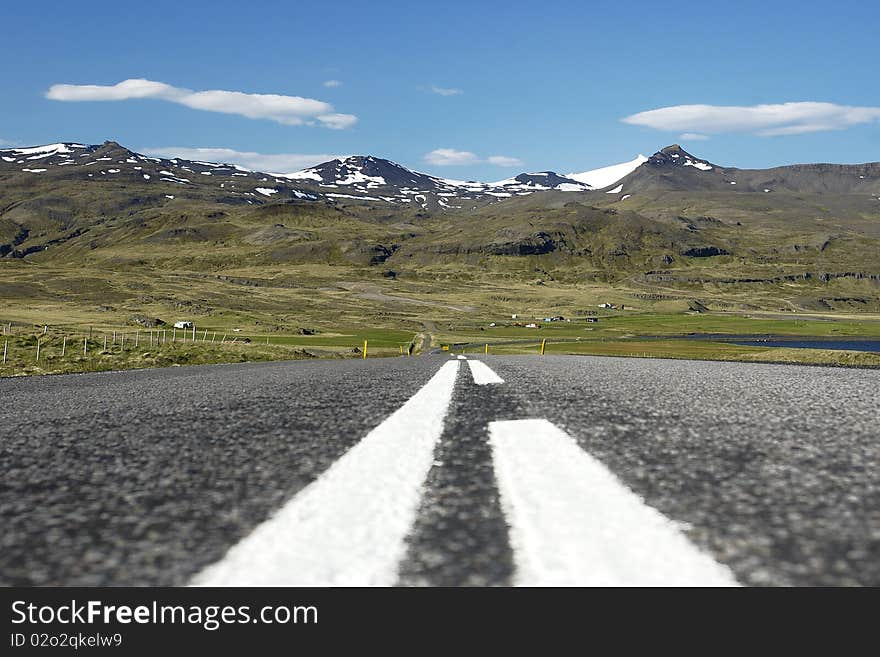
(223, 339)
(5, 347)
(38, 350)
(122, 348)
(86, 345)
(63, 346)
(105, 342)
(174, 334)
(213, 335)
(194, 332)
(137, 337)
(205, 336)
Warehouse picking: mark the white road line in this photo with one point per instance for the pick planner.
(347, 528)
(572, 523)
(482, 373)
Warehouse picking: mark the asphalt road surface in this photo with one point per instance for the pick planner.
(440, 470)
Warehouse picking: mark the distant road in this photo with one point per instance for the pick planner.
(441, 470)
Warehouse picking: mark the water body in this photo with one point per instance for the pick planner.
(845, 343)
(808, 343)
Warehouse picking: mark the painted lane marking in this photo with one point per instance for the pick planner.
(483, 374)
(347, 528)
(573, 523)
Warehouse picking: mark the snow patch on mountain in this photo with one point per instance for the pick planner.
(605, 176)
(702, 166)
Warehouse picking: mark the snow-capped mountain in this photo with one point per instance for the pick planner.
(110, 162)
(345, 181)
(372, 178)
(674, 169)
(676, 156)
(368, 180)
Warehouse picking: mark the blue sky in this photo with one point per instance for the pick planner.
(490, 88)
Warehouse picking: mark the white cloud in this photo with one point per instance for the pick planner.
(337, 121)
(332, 83)
(444, 157)
(267, 162)
(504, 161)
(446, 91)
(288, 110)
(763, 120)
(693, 136)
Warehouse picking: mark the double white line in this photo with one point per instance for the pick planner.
(571, 521)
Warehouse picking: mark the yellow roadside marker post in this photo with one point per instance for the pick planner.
(365, 349)
(543, 342)
(487, 348)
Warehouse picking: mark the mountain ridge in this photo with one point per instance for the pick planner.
(372, 179)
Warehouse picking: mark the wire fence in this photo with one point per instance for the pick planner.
(27, 348)
(52, 345)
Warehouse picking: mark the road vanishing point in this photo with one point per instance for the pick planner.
(443, 470)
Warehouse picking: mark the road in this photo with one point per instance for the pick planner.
(441, 470)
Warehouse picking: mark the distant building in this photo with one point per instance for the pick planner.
(183, 325)
(606, 305)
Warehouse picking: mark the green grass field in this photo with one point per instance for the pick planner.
(328, 311)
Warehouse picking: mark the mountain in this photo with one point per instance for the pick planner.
(674, 221)
(345, 181)
(672, 169)
(372, 178)
(112, 162)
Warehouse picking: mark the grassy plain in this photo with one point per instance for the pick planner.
(314, 310)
